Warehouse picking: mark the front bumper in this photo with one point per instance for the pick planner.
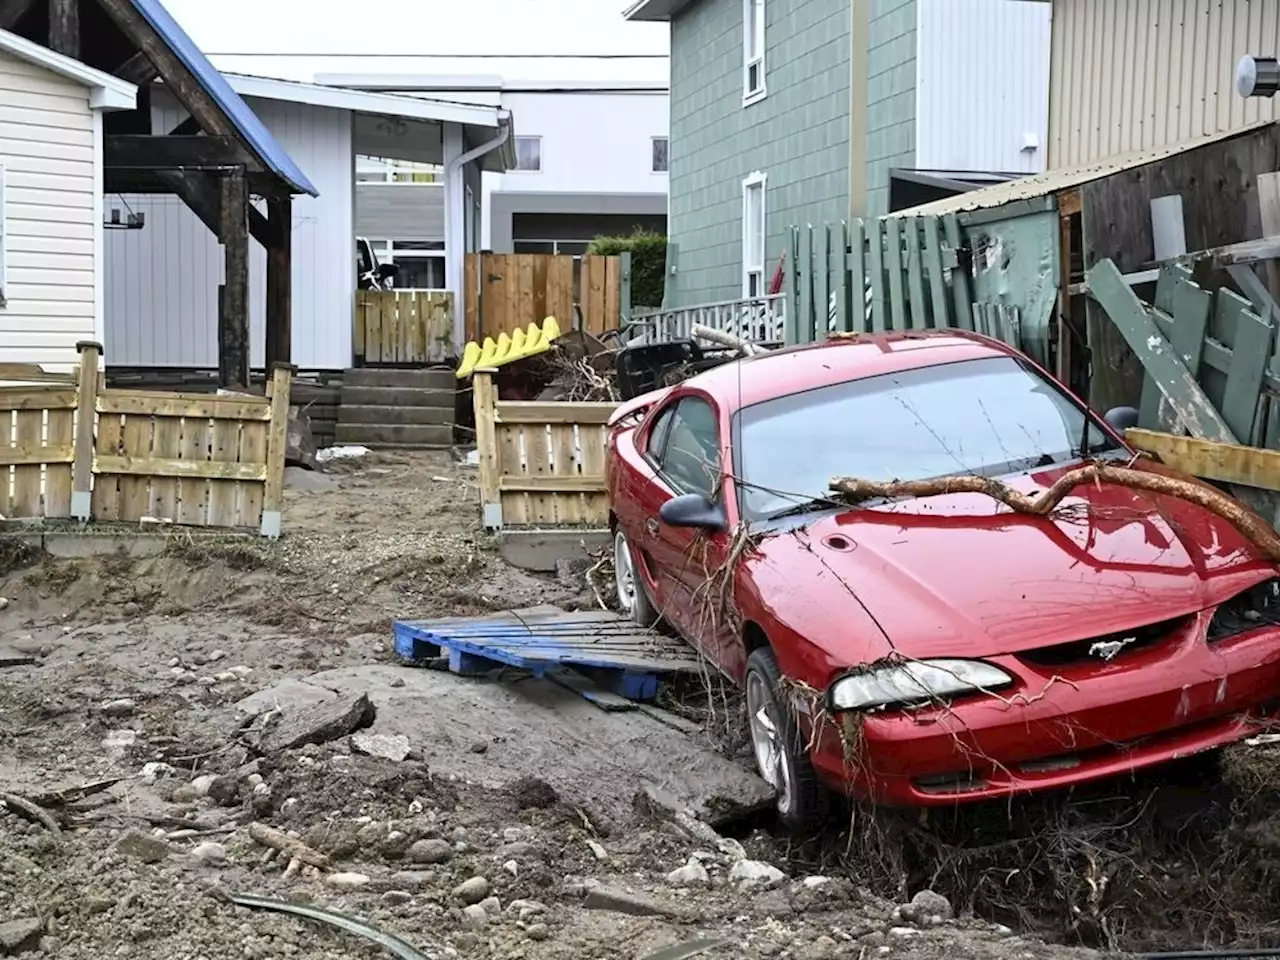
(1063, 727)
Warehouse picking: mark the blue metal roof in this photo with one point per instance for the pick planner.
(245, 120)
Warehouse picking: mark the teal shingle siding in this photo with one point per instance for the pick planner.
(798, 135)
(891, 96)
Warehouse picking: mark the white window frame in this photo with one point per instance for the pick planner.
(516, 148)
(386, 252)
(753, 181)
(653, 145)
(753, 48)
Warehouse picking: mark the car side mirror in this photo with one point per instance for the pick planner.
(1121, 419)
(693, 510)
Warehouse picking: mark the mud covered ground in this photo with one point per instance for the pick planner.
(154, 681)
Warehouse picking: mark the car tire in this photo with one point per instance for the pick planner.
(803, 802)
(633, 597)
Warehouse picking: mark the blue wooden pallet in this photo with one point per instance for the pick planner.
(545, 640)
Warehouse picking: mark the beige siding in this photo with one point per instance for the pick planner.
(1135, 74)
(47, 151)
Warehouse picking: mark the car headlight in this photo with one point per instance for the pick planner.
(913, 682)
(1259, 606)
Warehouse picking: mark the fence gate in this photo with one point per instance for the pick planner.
(508, 291)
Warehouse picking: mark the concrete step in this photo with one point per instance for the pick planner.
(431, 379)
(408, 435)
(361, 396)
(389, 416)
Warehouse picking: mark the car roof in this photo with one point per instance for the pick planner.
(777, 373)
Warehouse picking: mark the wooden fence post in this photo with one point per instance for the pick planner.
(277, 441)
(485, 398)
(624, 292)
(86, 419)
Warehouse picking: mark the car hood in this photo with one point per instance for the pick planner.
(961, 575)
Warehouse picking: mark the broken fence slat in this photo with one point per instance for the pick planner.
(1185, 307)
(1250, 354)
(917, 307)
(1222, 462)
(893, 263)
(940, 315)
(1156, 354)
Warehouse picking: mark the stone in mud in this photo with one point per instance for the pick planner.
(388, 747)
(634, 904)
(17, 935)
(320, 723)
(144, 847)
(755, 873)
(430, 851)
(472, 891)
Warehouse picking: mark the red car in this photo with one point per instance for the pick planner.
(944, 649)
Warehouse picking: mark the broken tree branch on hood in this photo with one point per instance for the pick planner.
(1254, 529)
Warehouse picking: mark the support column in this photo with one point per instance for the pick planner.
(455, 212)
(233, 306)
(279, 282)
(64, 27)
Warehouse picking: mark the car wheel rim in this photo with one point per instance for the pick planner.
(624, 573)
(766, 739)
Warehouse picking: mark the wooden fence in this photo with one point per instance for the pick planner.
(403, 327)
(506, 292)
(74, 449)
(541, 464)
(876, 275)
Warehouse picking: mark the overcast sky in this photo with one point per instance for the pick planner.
(296, 39)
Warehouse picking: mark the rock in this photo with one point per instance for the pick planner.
(320, 723)
(209, 852)
(430, 851)
(731, 848)
(16, 935)
(926, 903)
(151, 772)
(492, 906)
(524, 909)
(4, 603)
(512, 868)
(130, 609)
(224, 791)
(346, 881)
(413, 879)
(520, 850)
(597, 851)
(479, 747)
(185, 794)
(459, 835)
(202, 784)
(143, 846)
(537, 931)
(117, 742)
(226, 676)
(692, 874)
(473, 916)
(472, 891)
(903, 932)
(396, 897)
(755, 873)
(119, 708)
(634, 904)
(383, 745)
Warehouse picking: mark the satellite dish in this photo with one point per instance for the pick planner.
(1258, 76)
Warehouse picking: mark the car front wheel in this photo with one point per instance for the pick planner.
(633, 598)
(779, 747)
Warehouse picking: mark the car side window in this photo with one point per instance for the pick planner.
(691, 459)
(658, 435)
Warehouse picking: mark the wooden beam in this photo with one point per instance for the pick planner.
(125, 151)
(138, 70)
(279, 282)
(233, 313)
(188, 127)
(199, 191)
(11, 12)
(64, 27)
(1222, 462)
(180, 81)
(260, 230)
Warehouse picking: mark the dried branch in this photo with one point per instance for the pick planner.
(296, 849)
(25, 808)
(1255, 530)
(745, 347)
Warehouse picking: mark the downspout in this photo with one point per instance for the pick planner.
(453, 171)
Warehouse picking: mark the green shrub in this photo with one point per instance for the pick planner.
(648, 263)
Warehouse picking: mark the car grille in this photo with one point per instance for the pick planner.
(1108, 648)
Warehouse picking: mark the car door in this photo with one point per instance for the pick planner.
(690, 462)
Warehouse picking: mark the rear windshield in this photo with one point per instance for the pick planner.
(986, 417)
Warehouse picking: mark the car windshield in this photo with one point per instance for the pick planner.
(985, 417)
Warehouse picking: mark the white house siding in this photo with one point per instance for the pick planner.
(162, 281)
(970, 119)
(1137, 74)
(48, 154)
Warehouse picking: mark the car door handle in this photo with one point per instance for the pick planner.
(652, 526)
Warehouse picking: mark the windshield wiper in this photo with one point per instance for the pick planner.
(807, 506)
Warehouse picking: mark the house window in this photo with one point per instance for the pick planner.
(420, 262)
(753, 50)
(529, 154)
(661, 154)
(753, 235)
